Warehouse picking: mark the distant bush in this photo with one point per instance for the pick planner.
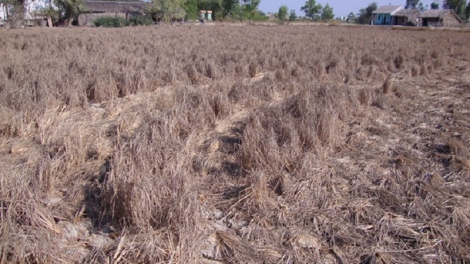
(141, 21)
(122, 22)
(111, 22)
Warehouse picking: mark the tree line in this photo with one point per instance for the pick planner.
(313, 10)
(65, 11)
(237, 9)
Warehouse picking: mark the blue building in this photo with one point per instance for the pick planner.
(385, 15)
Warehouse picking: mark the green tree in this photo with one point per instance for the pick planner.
(365, 14)
(228, 6)
(292, 15)
(237, 11)
(167, 10)
(68, 10)
(191, 8)
(282, 13)
(420, 7)
(327, 13)
(241, 8)
(457, 5)
(311, 9)
(435, 5)
(260, 16)
(467, 10)
(250, 8)
(411, 4)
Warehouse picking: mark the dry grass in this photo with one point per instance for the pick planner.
(234, 145)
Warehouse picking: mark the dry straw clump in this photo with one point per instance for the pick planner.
(262, 145)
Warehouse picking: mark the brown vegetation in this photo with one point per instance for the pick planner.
(234, 145)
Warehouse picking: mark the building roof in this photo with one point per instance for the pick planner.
(434, 13)
(115, 7)
(406, 12)
(387, 9)
(438, 13)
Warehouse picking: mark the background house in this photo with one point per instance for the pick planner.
(406, 17)
(442, 18)
(32, 12)
(96, 9)
(32, 8)
(384, 15)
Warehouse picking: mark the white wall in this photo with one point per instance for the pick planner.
(32, 7)
(3, 14)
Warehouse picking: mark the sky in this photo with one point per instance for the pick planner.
(340, 7)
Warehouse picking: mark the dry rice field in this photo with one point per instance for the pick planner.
(222, 144)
